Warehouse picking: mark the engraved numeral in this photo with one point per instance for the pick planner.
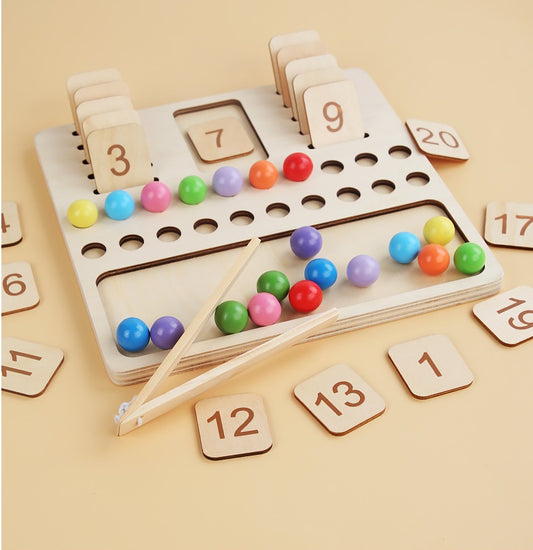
(121, 157)
(446, 138)
(218, 133)
(427, 358)
(8, 286)
(240, 431)
(336, 117)
(321, 398)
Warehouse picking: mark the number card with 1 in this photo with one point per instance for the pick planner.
(11, 230)
(339, 399)
(509, 224)
(437, 140)
(509, 315)
(430, 366)
(333, 113)
(19, 291)
(27, 367)
(233, 425)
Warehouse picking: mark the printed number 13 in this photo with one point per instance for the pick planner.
(321, 398)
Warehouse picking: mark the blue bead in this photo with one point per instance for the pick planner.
(133, 334)
(119, 205)
(404, 247)
(322, 272)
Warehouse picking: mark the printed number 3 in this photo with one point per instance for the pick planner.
(121, 157)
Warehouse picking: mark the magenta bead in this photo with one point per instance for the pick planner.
(264, 309)
(155, 196)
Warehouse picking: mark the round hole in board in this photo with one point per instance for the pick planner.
(205, 226)
(242, 217)
(131, 242)
(332, 167)
(313, 202)
(348, 194)
(169, 234)
(383, 186)
(366, 159)
(277, 210)
(417, 178)
(400, 152)
(93, 251)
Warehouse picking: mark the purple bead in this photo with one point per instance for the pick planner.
(166, 331)
(306, 242)
(227, 181)
(362, 270)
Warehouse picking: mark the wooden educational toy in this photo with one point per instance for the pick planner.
(233, 425)
(28, 367)
(339, 399)
(19, 290)
(509, 224)
(11, 229)
(368, 183)
(430, 366)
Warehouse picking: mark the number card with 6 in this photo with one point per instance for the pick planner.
(430, 366)
(27, 367)
(19, 291)
(233, 425)
(339, 399)
(509, 315)
(437, 140)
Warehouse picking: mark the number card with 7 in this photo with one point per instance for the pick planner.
(233, 425)
(339, 399)
(509, 315)
(509, 224)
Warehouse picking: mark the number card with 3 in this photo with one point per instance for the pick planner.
(509, 316)
(339, 399)
(19, 291)
(333, 113)
(233, 425)
(509, 224)
(27, 367)
(437, 140)
(430, 366)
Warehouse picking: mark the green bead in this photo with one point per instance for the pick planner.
(231, 317)
(274, 282)
(469, 258)
(192, 190)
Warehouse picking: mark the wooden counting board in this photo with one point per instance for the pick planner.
(362, 191)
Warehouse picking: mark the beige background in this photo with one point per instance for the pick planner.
(453, 472)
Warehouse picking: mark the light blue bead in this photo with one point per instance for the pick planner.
(119, 205)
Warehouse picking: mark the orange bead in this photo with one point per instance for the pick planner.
(433, 259)
(263, 174)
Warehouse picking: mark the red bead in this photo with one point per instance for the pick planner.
(305, 296)
(297, 167)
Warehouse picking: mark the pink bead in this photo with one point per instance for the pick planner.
(155, 196)
(264, 309)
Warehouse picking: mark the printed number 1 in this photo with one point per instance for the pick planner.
(427, 358)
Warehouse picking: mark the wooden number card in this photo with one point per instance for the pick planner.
(220, 139)
(509, 224)
(233, 425)
(339, 399)
(430, 366)
(27, 367)
(11, 231)
(509, 315)
(19, 291)
(437, 140)
(333, 113)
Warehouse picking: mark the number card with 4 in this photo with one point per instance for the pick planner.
(19, 291)
(437, 140)
(27, 367)
(509, 315)
(11, 230)
(430, 366)
(233, 425)
(509, 224)
(339, 399)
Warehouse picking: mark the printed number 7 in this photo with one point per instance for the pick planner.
(218, 132)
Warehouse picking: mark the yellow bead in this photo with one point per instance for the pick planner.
(82, 213)
(439, 230)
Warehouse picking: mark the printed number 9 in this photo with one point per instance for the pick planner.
(337, 115)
